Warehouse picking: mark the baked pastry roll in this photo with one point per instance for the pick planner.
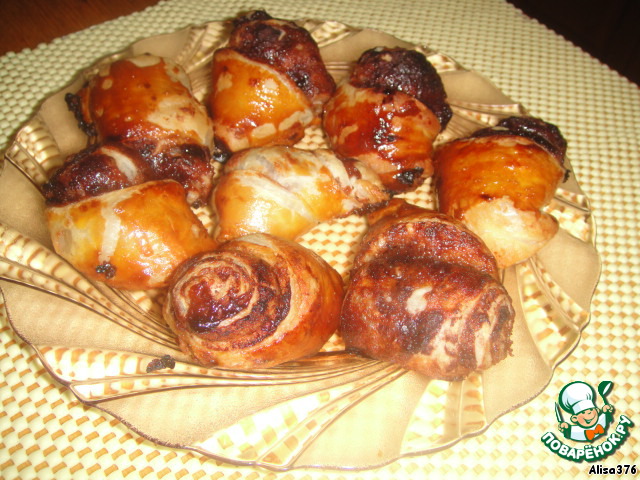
(388, 115)
(145, 103)
(131, 238)
(257, 301)
(424, 293)
(287, 191)
(499, 180)
(268, 84)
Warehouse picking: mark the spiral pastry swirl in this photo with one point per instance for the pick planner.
(257, 301)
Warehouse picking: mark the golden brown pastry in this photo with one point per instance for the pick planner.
(498, 181)
(388, 115)
(257, 301)
(131, 238)
(268, 84)
(287, 191)
(146, 104)
(424, 293)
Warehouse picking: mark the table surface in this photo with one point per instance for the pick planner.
(28, 24)
(46, 432)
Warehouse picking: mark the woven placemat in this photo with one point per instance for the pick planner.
(46, 433)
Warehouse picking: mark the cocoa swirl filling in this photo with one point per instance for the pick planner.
(231, 300)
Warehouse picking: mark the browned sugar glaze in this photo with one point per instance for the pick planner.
(122, 107)
(288, 48)
(388, 115)
(92, 172)
(543, 133)
(407, 71)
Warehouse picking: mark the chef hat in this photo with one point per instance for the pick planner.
(577, 397)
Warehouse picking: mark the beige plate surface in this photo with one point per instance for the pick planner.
(333, 410)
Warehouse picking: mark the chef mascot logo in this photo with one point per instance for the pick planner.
(586, 423)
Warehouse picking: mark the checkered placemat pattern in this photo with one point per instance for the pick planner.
(46, 433)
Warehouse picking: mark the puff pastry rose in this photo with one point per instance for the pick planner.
(424, 293)
(498, 181)
(132, 238)
(145, 103)
(257, 301)
(388, 114)
(287, 191)
(268, 84)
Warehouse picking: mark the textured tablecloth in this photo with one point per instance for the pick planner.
(46, 433)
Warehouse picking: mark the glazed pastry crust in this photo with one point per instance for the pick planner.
(255, 302)
(440, 319)
(96, 170)
(132, 238)
(401, 229)
(388, 115)
(145, 103)
(253, 105)
(286, 191)
(289, 49)
(268, 84)
(393, 133)
(406, 71)
(498, 185)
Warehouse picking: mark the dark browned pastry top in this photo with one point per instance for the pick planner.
(406, 71)
(94, 171)
(545, 134)
(285, 46)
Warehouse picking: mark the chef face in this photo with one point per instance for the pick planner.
(586, 418)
